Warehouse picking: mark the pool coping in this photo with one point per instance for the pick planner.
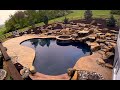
(84, 63)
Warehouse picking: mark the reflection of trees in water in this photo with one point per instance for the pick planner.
(48, 42)
(44, 42)
(84, 47)
(34, 42)
(41, 42)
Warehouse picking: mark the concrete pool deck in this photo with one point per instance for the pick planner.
(26, 57)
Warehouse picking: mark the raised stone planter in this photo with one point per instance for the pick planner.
(64, 39)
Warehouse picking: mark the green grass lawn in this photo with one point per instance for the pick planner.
(77, 14)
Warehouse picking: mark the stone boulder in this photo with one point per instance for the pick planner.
(49, 27)
(113, 44)
(107, 43)
(25, 72)
(107, 65)
(74, 35)
(100, 40)
(57, 26)
(32, 69)
(100, 62)
(86, 29)
(108, 34)
(114, 31)
(103, 64)
(68, 26)
(83, 33)
(75, 27)
(3, 74)
(82, 24)
(102, 45)
(100, 29)
(108, 38)
(72, 23)
(100, 35)
(80, 28)
(108, 55)
(91, 31)
(105, 30)
(95, 46)
(83, 39)
(93, 22)
(65, 31)
(91, 38)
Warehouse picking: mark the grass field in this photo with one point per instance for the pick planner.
(77, 14)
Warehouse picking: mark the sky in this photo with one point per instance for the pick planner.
(4, 15)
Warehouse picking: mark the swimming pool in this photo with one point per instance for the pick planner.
(54, 58)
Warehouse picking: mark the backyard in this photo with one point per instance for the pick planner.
(77, 14)
(71, 47)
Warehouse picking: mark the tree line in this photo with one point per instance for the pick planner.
(27, 18)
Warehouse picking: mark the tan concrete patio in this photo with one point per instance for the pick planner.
(26, 57)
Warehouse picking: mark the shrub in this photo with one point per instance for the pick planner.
(45, 20)
(32, 24)
(66, 20)
(117, 12)
(111, 22)
(88, 14)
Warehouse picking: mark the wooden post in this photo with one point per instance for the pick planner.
(11, 69)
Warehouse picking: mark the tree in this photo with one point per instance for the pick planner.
(88, 14)
(32, 24)
(111, 21)
(66, 20)
(117, 12)
(45, 20)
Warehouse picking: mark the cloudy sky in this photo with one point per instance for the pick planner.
(4, 15)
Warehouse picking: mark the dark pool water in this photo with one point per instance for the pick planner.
(54, 58)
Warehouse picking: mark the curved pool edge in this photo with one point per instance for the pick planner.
(13, 45)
